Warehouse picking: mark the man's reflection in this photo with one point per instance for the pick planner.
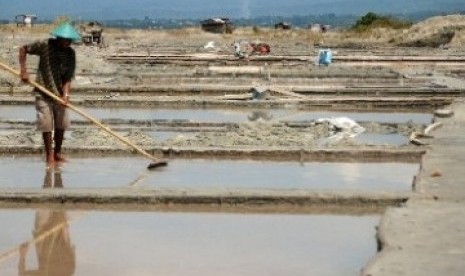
(55, 253)
(52, 178)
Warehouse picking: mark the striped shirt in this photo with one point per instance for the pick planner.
(56, 64)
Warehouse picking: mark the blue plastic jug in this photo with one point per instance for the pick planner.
(324, 57)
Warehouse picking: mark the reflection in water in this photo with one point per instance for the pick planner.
(351, 173)
(52, 178)
(55, 253)
(260, 114)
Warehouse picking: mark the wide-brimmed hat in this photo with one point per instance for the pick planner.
(67, 31)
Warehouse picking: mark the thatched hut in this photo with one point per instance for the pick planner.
(283, 26)
(217, 25)
(25, 20)
(91, 33)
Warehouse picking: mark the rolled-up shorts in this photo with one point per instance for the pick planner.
(51, 115)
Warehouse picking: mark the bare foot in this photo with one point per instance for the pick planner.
(50, 165)
(50, 161)
(60, 158)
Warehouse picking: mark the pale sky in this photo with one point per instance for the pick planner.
(127, 9)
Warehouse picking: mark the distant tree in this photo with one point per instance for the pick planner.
(373, 20)
(256, 30)
(367, 20)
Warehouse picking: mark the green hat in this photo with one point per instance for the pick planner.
(67, 31)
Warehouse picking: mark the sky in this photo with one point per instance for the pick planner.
(197, 9)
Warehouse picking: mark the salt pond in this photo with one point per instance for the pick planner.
(156, 243)
(25, 112)
(30, 172)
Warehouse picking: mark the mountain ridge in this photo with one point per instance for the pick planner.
(184, 9)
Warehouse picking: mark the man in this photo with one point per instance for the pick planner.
(238, 51)
(57, 63)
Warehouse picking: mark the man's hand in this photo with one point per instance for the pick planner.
(66, 90)
(24, 75)
(65, 98)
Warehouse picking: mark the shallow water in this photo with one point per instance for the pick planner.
(234, 116)
(154, 243)
(393, 139)
(207, 174)
(221, 115)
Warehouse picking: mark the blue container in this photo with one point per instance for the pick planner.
(324, 57)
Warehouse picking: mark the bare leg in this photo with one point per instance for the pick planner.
(47, 137)
(58, 137)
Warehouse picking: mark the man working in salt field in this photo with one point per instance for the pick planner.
(57, 63)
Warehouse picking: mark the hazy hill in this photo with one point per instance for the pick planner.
(195, 9)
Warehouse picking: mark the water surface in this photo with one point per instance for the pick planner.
(153, 243)
(222, 115)
(207, 174)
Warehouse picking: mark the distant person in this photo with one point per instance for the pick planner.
(57, 63)
(239, 51)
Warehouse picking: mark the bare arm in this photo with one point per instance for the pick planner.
(66, 90)
(22, 64)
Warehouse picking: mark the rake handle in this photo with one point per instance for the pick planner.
(82, 113)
